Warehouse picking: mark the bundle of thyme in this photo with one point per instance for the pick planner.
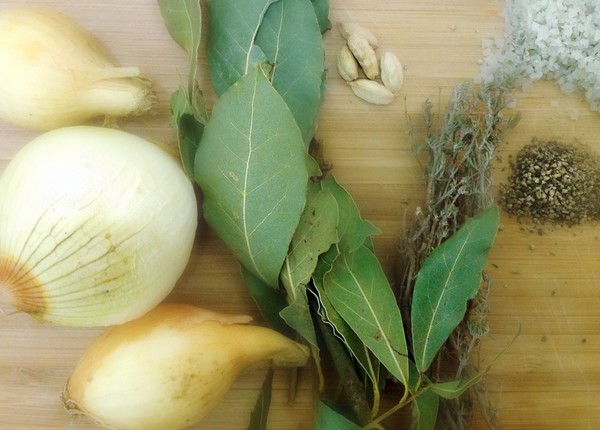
(458, 176)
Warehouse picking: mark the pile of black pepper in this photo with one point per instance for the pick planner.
(554, 182)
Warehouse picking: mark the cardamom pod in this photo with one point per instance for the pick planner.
(372, 92)
(364, 54)
(346, 64)
(392, 74)
(348, 28)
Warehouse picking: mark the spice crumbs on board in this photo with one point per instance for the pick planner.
(553, 182)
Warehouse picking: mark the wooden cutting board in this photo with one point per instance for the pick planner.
(546, 283)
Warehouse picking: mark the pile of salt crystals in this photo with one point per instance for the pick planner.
(547, 39)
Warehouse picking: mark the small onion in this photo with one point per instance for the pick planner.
(169, 368)
(96, 226)
(54, 73)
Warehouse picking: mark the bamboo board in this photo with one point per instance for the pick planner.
(546, 283)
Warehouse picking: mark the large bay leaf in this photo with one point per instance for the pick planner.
(344, 332)
(231, 49)
(290, 37)
(449, 277)
(360, 292)
(251, 166)
(334, 320)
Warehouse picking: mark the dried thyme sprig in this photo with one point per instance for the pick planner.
(458, 177)
(458, 171)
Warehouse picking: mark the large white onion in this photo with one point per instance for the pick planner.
(96, 226)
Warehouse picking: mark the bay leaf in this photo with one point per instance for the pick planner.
(325, 264)
(183, 19)
(424, 411)
(333, 319)
(312, 166)
(449, 277)
(323, 86)
(231, 49)
(353, 231)
(291, 39)
(360, 292)
(270, 302)
(328, 418)
(298, 316)
(347, 336)
(283, 33)
(260, 413)
(251, 166)
(322, 12)
(315, 234)
(189, 118)
(454, 389)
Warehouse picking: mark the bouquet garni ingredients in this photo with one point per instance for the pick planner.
(96, 226)
(55, 74)
(169, 368)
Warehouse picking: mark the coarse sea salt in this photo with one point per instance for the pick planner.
(547, 39)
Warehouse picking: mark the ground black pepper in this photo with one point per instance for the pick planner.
(555, 182)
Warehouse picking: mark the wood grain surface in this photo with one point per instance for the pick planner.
(545, 281)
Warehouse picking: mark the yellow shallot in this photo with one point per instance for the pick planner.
(169, 368)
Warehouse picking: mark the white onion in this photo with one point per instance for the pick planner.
(96, 226)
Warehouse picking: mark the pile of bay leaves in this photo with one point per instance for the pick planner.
(305, 253)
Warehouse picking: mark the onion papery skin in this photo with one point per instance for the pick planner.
(170, 368)
(96, 226)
